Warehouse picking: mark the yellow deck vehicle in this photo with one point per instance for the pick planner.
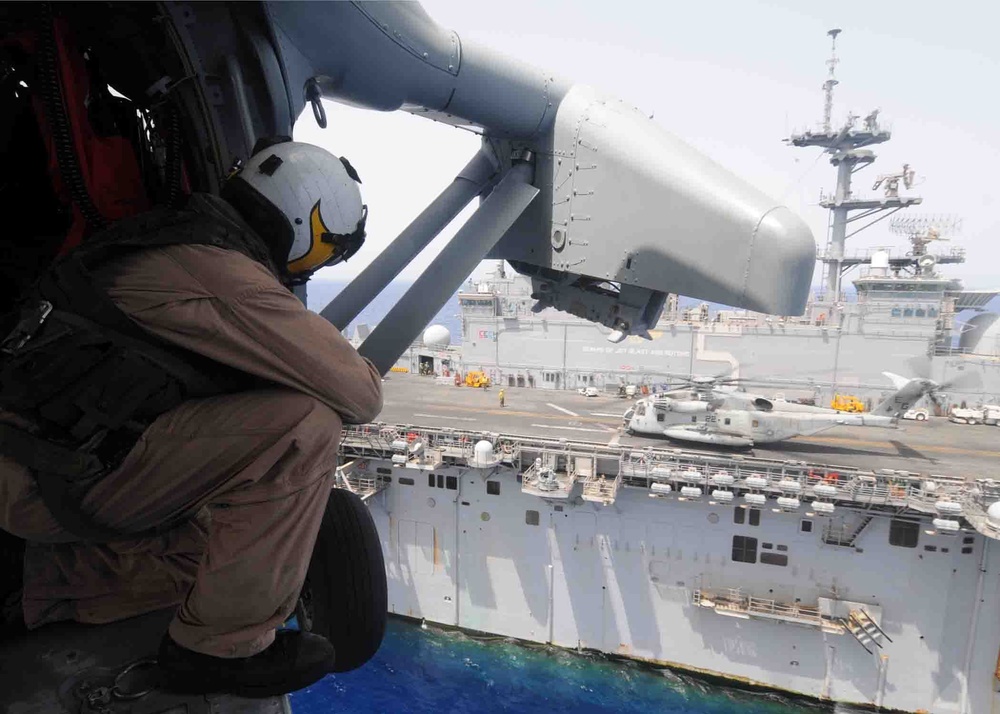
(477, 379)
(847, 403)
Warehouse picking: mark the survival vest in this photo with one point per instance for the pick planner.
(89, 380)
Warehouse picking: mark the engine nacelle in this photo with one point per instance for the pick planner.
(762, 404)
(681, 407)
(626, 211)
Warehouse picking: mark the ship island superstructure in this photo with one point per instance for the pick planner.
(902, 307)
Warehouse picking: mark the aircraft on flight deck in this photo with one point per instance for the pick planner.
(710, 410)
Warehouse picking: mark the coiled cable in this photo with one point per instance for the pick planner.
(50, 85)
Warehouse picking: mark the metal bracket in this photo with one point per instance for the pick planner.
(314, 95)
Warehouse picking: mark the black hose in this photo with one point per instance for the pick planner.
(173, 168)
(62, 137)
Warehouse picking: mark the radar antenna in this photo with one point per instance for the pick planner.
(891, 181)
(922, 230)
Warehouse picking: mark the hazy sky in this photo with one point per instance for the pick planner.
(733, 79)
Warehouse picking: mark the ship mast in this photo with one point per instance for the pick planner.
(831, 80)
(845, 146)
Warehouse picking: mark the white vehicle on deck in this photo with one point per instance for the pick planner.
(987, 414)
(589, 391)
(918, 414)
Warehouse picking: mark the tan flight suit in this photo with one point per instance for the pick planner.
(251, 470)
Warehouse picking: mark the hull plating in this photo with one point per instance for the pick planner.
(632, 579)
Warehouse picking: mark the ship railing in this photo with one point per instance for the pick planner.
(733, 600)
(599, 488)
(948, 351)
(764, 606)
(987, 491)
(824, 297)
(456, 446)
(530, 474)
(895, 490)
(368, 439)
(355, 477)
(893, 251)
(978, 501)
(545, 481)
(831, 198)
(859, 254)
(641, 467)
(509, 450)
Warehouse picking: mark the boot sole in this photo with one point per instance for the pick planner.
(183, 684)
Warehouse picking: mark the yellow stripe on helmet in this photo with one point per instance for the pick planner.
(319, 251)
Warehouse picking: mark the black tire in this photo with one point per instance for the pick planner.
(921, 417)
(345, 594)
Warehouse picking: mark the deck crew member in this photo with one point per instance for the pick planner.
(169, 429)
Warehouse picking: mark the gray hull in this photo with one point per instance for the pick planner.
(846, 607)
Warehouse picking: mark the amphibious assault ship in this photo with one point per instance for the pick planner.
(847, 567)
(903, 315)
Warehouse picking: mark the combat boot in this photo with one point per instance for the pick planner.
(293, 661)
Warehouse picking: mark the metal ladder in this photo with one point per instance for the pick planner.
(842, 537)
(865, 630)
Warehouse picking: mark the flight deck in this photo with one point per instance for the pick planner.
(933, 447)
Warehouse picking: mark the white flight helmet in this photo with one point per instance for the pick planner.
(303, 201)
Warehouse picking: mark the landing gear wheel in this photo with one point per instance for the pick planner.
(345, 595)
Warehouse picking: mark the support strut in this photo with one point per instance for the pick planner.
(468, 184)
(449, 269)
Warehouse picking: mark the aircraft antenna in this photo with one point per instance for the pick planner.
(831, 80)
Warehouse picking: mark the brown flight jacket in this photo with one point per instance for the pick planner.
(223, 305)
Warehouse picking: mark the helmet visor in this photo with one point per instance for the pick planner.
(344, 246)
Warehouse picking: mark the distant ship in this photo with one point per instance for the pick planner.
(901, 316)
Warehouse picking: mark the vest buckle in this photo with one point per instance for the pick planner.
(32, 318)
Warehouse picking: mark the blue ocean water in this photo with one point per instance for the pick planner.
(437, 671)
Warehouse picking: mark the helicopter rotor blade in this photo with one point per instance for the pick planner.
(920, 366)
(963, 381)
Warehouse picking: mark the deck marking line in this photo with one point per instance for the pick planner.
(509, 411)
(885, 444)
(569, 428)
(559, 408)
(444, 416)
(607, 414)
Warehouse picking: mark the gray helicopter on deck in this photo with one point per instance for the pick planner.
(714, 410)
